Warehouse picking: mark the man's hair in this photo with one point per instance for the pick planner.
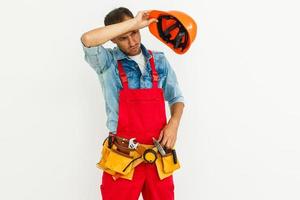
(117, 15)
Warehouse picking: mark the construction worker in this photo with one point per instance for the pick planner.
(135, 82)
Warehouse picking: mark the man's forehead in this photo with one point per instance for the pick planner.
(126, 34)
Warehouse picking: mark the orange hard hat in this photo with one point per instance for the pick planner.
(174, 28)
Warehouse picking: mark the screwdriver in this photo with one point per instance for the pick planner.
(159, 147)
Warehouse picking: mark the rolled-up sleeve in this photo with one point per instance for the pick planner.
(171, 87)
(98, 57)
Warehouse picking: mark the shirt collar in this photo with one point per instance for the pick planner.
(120, 55)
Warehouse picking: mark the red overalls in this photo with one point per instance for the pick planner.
(142, 116)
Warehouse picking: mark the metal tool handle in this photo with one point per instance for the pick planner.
(159, 147)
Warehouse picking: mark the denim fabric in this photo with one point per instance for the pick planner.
(104, 62)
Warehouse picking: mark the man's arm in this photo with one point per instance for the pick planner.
(176, 113)
(173, 95)
(169, 133)
(101, 35)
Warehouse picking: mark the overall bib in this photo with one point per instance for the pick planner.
(142, 116)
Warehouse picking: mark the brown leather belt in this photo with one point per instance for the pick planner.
(123, 143)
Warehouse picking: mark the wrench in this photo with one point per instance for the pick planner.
(132, 144)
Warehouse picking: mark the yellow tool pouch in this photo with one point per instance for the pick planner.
(117, 163)
(121, 165)
(169, 164)
(166, 165)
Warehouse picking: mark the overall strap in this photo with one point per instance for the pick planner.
(123, 76)
(155, 76)
(124, 79)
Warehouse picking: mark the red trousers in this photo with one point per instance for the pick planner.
(145, 181)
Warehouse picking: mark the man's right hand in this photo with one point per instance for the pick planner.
(142, 19)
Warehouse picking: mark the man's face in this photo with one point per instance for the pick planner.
(129, 43)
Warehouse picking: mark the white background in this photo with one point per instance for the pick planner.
(239, 135)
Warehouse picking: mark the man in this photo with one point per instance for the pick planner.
(135, 83)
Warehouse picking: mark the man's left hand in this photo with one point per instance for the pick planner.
(168, 134)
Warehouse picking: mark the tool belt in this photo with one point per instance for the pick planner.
(119, 160)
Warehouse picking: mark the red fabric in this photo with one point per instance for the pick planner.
(145, 181)
(141, 111)
(142, 116)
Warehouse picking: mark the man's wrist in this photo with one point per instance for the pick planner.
(134, 23)
(174, 122)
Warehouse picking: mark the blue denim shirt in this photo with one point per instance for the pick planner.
(104, 62)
